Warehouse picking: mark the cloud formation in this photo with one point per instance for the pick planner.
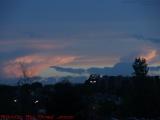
(151, 39)
(122, 68)
(31, 44)
(34, 64)
(103, 33)
(70, 70)
(150, 55)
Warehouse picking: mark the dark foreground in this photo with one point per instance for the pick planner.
(99, 98)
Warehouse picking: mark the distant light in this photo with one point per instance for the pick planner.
(90, 81)
(36, 101)
(93, 82)
(15, 100)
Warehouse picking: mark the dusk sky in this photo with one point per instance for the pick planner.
(77, 33)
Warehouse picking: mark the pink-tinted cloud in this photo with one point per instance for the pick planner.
(150, 55)
(34, 64)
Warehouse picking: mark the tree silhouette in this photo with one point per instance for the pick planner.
(140, 67)
(27, 76)
(93, 79)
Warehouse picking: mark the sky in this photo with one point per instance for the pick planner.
(76, 33)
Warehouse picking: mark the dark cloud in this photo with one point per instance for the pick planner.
(118, 69)
(69, 70)
(152, 39)
(122, 68)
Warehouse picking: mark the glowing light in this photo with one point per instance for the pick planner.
(93, 82)
(36, 101)
(15, 100)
